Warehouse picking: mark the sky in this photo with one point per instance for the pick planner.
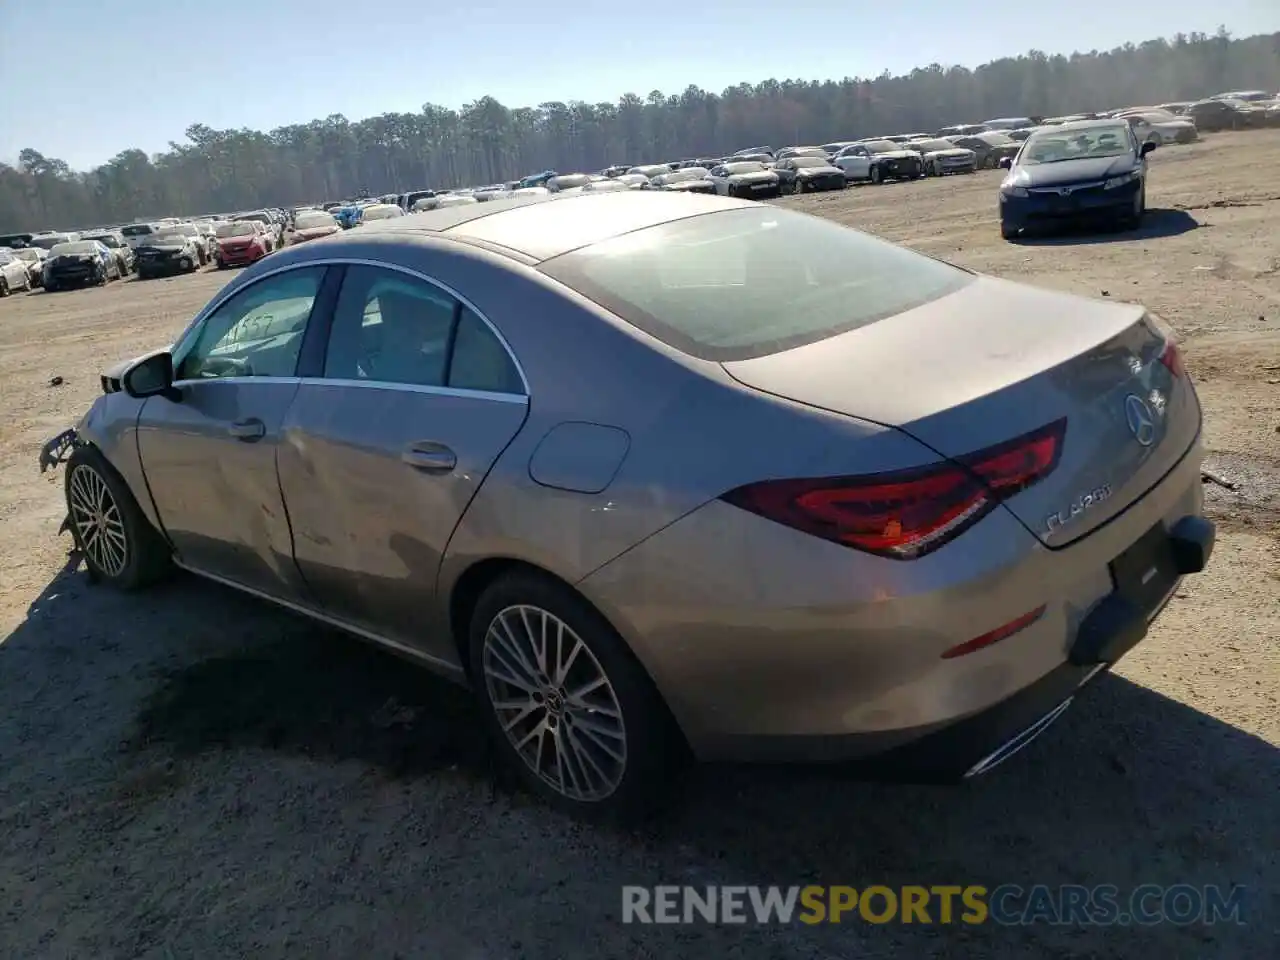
(98, 77)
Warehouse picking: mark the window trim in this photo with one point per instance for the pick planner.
(327, 321)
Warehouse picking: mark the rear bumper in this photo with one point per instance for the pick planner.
(789, 652)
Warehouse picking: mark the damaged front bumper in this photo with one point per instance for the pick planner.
(55, 452)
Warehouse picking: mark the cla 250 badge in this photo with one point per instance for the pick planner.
(1078, 506)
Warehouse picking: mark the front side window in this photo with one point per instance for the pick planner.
(393, 328)
(256, 333)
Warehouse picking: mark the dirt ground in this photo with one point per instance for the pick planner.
(191, 773)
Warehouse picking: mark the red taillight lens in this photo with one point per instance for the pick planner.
(1171, 357)
(908, 514)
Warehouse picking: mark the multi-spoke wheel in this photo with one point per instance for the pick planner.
(97, 521)
(567, 702)
(555, 703)
(119, 544)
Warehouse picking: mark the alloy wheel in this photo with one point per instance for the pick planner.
(97, 520)
(555, 703)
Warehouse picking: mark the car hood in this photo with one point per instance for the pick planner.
(314, 233)
(827, 171)
(1070, 171)
(950, 152)
(163, 247)
(760, 176)
(690, 185)
(897, 155)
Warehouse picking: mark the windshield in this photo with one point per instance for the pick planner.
(1057, 145)
(106, 239)
(238, 229)
(381, 212)
(26, 253)
(996, 139)
(733, 169)
(882, 146)
(314, 219)
(799, 162)
(74, 249)
(931, 145)
(749, 282)
(170, 237)
(137, 230)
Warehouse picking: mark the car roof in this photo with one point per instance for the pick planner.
(539, 228)
(1088, 124)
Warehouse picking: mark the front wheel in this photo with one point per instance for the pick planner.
(1008, 231)
(566, 701)
(118, 543)
(4, 287)
(876, 176)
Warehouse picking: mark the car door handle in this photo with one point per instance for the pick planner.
(248, 430)
(431, 457)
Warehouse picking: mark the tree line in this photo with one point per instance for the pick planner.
(485, 141)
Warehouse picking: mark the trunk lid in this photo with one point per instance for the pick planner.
(996, 360)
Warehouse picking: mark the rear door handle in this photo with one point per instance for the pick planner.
(248, 430)
(429, 456)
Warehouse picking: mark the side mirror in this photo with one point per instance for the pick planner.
(1148, 147)
(1006, 163)
(151, 376)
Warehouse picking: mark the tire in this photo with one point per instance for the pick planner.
(1134, 220)
(628, 781)
(126, 551)
(1007, 231)
(874, 175)
(4, 287)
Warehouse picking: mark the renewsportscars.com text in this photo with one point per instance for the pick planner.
(1007, 905)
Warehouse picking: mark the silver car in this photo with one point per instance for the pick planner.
(651, 471)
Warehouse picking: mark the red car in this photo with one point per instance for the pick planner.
(312, 225)
(241, 243)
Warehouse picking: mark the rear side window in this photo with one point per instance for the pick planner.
(393, 328)
(750, 282)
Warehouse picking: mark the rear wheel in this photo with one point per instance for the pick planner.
(566, 702)
(876, 176)
(4, 287)
(119, 544)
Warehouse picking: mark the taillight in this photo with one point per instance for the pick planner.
(1171, 357)
(907, 514)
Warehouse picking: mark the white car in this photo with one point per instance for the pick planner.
(1161, 127)
(14, 274)
(746, 179)
(878, 160)
(380, 211)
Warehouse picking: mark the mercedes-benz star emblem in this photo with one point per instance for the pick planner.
(1065, 191)
(1142, 424)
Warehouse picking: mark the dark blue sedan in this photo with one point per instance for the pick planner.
(1087, 170)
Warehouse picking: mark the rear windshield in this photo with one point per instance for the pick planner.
(51, 241)
(750, 282)
(137, 229)
(238, 229)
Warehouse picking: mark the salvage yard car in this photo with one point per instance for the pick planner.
(804, 173)
(114, 241)
(240, 243)
(166, 253)
(745, 178)
(313, 225)
(941, 157)
(79, 263)
(1091, 169)
(636, 467)
(14, 274)
(879, 160)
(34, 258)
